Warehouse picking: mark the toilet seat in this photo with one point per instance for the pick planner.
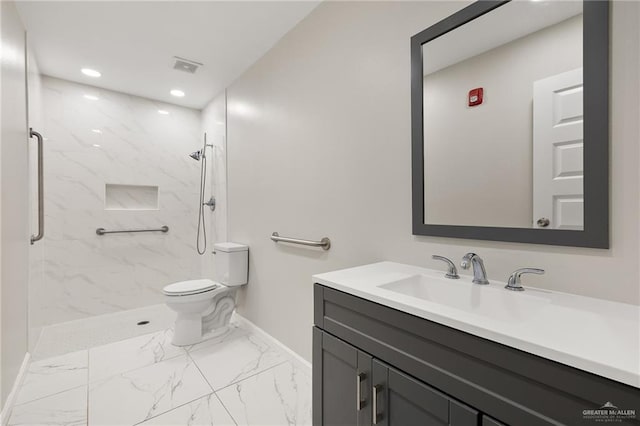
(186, 288)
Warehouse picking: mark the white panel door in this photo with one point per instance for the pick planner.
(558, 140)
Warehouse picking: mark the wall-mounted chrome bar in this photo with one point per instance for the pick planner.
(325, 243)
(102, 231)
(40, 234)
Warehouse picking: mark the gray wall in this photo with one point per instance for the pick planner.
(319, 145)
(14, 170)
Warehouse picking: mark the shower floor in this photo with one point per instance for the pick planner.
(85, 333)
(241, 376)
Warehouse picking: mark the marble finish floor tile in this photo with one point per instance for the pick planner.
(68, 408)
(126, 355)
(146, 380)
(216, 337)
(236, 358)
(53, 375)
(207, 411)
(141, 394)
(278, 396)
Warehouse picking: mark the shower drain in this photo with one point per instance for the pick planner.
(143, 322)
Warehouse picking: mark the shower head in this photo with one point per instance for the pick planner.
(196, 155)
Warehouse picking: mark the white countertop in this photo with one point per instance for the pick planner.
(594, 335)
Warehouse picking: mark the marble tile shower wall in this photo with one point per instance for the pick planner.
(117, 139)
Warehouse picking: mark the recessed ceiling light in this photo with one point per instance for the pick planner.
(96, 145)
(177, 93)
(91, 73)
(91, 97)
(163, 112)
(96, 130)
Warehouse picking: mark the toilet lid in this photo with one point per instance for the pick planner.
(184, 288)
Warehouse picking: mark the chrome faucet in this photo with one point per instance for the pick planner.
(452, 272)
(515, 282)
(479, 273)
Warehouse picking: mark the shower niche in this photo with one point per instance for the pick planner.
(131, 197)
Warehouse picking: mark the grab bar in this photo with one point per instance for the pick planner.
(40, 233)
(102, 231)
(325, 243)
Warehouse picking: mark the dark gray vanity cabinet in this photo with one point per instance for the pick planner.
(362, 387)
(371, 359)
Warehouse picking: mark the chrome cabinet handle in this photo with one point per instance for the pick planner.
(452, 272)
(515, 282)
(40, 234)
(376, 417)
(360, 402)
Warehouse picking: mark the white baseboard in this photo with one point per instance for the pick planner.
(8, 405)
(248, 324)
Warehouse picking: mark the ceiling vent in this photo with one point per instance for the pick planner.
(186, 65)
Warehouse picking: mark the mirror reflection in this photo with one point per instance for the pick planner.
(503, 119)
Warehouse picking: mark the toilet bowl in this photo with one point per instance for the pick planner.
(203, 306)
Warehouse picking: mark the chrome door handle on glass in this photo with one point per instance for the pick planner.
(452, 273)
(479, 273)
(515, 282)
(40, 234)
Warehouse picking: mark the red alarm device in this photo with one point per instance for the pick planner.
(475, 96)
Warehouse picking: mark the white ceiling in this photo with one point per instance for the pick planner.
(132, 43)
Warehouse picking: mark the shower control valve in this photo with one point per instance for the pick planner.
(211, 203)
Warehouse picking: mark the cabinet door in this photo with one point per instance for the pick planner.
(341, 383)
(401, 400)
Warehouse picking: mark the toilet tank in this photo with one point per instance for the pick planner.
(231, 263)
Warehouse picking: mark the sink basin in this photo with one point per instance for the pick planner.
(558, 326)
(490, 301)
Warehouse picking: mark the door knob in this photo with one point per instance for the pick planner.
(543, 222)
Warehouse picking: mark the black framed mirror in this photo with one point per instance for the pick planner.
(510, 123)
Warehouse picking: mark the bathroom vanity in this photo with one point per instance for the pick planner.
(398, 345)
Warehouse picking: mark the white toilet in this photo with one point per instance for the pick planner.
(205, 305)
